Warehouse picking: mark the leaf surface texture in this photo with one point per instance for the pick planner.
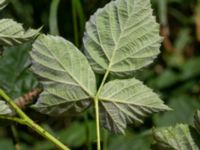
(180, 137)
(12, 33)
(122, 37)
(127, 101)
(68, 80)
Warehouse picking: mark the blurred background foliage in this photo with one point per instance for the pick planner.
(175, 75)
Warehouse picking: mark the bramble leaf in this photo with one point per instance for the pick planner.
(5, 109)
(68, 80)
(127, 101)
(122, 37)
(12, 33)
(180, 137)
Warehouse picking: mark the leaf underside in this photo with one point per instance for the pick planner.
(12, 33)
(180, 137)
(4, 108)
(127, 101)
(119, 39)
(122, 37)
(68, 80)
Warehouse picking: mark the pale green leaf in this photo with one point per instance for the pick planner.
(3, 4)
(5, 109)
(12, 33)
(68, 80)
(197, 120)
(122, 37)
(180, 137)
(127, 101)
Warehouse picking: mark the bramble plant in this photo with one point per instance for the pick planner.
(120, 39)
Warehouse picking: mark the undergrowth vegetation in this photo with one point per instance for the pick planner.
(93, 85)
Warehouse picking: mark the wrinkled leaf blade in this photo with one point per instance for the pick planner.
(180, 137)
(127, 101)
(12, 33)
(122, 37)
(68, 80)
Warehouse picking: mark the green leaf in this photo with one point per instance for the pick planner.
(17, 80)
(179, 104)
(127, 101)
(12, 33)
(5, 109)
(122, 37)
(197, 120)
(3, 4)
(68, 80)
(180, 137)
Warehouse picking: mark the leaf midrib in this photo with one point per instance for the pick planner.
(120, 36)
(124, 102)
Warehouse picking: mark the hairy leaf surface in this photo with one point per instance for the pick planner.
(127, 101)
(180, 137)
(122, 37)
(3, 4)
(66, 75)
(12, 33)
(4, 108)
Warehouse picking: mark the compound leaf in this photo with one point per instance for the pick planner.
(12, 33)
(122, 37)
(68, 80)
(127, 101)
(4, 108)
(180, 137)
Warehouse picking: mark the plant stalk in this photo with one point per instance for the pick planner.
(15, 119)
(96, 102)
(53, 19)
(97, 124)
(25, 120)
(74, 14)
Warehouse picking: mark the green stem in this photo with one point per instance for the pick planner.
(96, 102)
(80, 15)
(46, 135)
(75, 22)
(162, 5)
(15, 119)
(25, 120)
(53, 21)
